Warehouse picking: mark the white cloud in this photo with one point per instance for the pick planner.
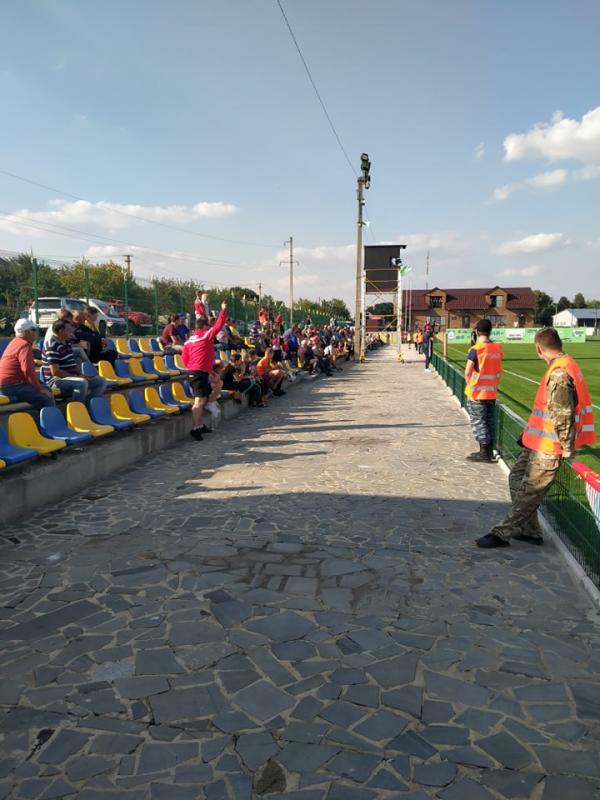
(502, 192)
(544, 180)
(536, 243)
(109, 216)
(594, 243)
(558, 140)
(548, 180)
(479, 151)
(523, 272)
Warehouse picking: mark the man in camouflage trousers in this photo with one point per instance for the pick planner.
(560, 421)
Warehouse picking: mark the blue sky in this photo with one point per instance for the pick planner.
(198, 114)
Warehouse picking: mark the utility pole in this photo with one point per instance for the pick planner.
(291, 263)
(363, 182)
(427, 272)
(291, 292)
(259, 296)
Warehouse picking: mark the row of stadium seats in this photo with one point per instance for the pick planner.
(26, 441)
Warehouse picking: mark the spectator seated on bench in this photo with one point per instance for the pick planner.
(18, 374)
(60, 369)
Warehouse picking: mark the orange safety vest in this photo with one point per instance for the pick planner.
(483, 384)
(539, 433)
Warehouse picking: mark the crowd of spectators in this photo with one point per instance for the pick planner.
(258, 365)
(70, 340)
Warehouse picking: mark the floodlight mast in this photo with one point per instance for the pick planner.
(363, 182)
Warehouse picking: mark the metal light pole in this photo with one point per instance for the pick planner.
(363, 182)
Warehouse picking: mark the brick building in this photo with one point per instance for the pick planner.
(463, 308)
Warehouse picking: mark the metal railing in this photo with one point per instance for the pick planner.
(566, 505)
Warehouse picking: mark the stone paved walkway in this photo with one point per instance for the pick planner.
(296, 610)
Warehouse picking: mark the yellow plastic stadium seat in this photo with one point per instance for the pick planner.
(80, 421)
(179, 393)
(136, 369)
(23, 432)
(122, 347)
(4, 401)
(160, 366)
(120, 410)
(154, 402)
(178, 360)
(248, 343)
(106, 370)
(146, 347)
(2, 464)
(298, 363)
(222, 355)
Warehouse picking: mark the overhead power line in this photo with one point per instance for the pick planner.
(134, 216)
(98, 238)
(314, 85)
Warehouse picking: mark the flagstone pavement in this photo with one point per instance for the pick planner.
(294, 608)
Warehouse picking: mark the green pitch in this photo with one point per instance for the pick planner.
(521, 375)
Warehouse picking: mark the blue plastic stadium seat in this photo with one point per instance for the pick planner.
(134, 345)
(14, 455)
(165, 393)
(110, 345)
(170, 362)
(148, 366)
(188, 389)
(138, 404)
(123, 371)
(54, 426)
(155, 346)
(100, 412)
(89, 369)
(3, 346)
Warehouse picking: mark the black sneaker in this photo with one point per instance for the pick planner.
(489, 540)
(522, 537)
(204, 429)
(195, 434)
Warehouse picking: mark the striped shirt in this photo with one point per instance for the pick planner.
(61, 354)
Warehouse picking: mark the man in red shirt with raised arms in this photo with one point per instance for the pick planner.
(198, 357)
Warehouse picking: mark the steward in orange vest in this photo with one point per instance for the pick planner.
(482, 376)
(560, 422)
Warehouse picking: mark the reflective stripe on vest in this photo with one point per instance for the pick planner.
(482, 385)
(540, 433)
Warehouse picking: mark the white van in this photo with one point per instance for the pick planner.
(49, 309)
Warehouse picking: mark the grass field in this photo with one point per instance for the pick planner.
(521, 375)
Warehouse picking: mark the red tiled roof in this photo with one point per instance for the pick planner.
(520, 297)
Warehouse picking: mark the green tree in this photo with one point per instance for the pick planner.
(579, 301)
(563, 303)
(16, 283)
(544, 307)
(381, 308)
(106, 280)
(336, 308)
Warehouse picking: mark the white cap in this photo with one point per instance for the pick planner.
(23, 325)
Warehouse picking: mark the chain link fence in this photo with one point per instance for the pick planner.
(566, 506)
(128, 304)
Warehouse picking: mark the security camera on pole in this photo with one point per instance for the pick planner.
(364, 181)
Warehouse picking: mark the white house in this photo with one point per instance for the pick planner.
(588, 318)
